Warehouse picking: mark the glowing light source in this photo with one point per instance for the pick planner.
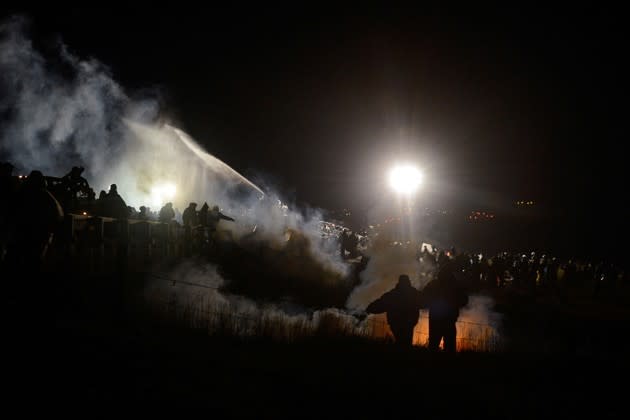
(405, 179)
(162, 193)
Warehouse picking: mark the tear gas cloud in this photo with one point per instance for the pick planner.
(478, 325)
(54, 120)
(198, 301)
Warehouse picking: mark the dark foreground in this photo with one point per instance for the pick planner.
(94, 360)
(98, 370)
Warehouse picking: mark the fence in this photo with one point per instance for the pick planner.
(210, 310)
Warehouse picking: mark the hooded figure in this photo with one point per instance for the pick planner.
(444, 298)
(402, 305)
(189, 217)
(36, 217)
(114, 205)
(167, 213)
(202, 215)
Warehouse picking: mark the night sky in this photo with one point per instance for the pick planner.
(494, 106)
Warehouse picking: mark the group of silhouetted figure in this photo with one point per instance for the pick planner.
(453, 276)
(534, 273)
(200, 226)
(34, 207)
(443, 297)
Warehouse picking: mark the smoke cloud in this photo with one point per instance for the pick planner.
(199, 301)
(478, 325)
(52, 120)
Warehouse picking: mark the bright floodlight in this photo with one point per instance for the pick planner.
(162, 193)
(405, 178)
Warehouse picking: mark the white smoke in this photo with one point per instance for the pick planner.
(53, 121)
(386, 263)
(192, 292)
(478, 325)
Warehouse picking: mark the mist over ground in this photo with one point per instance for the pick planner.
(64, 111)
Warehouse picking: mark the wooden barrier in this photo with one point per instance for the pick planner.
(104, 243)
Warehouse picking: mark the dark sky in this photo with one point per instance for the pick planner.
(495, 106)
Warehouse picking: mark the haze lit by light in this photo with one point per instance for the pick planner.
(162, 193)
(405, 179)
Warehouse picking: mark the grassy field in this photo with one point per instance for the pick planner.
(96, 346)
(108, 369)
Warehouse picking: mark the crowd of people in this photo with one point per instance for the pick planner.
(451, 277)
(35, 202)
(532, 272)
(35, 206)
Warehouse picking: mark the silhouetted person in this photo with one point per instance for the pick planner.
(444, 297)
(493, 268)
(167, 213)
(475, 273)
(8, 186)
(402, 305)
(203, 214)
(215, 216)
(442, 258)
(424, 255)
(499, 266)
(352, 245)
(189, 220)
(427, 261)
(91, 201)
(132, 213)
(74, 183)
(35, 217)
(114, 205)
(100, 204)
(143, 214)
(189, 217)
(8, 190)
(343, 244)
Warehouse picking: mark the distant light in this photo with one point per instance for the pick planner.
(162, 193)
(405, 179)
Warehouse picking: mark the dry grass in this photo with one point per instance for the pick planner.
(225, 319)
